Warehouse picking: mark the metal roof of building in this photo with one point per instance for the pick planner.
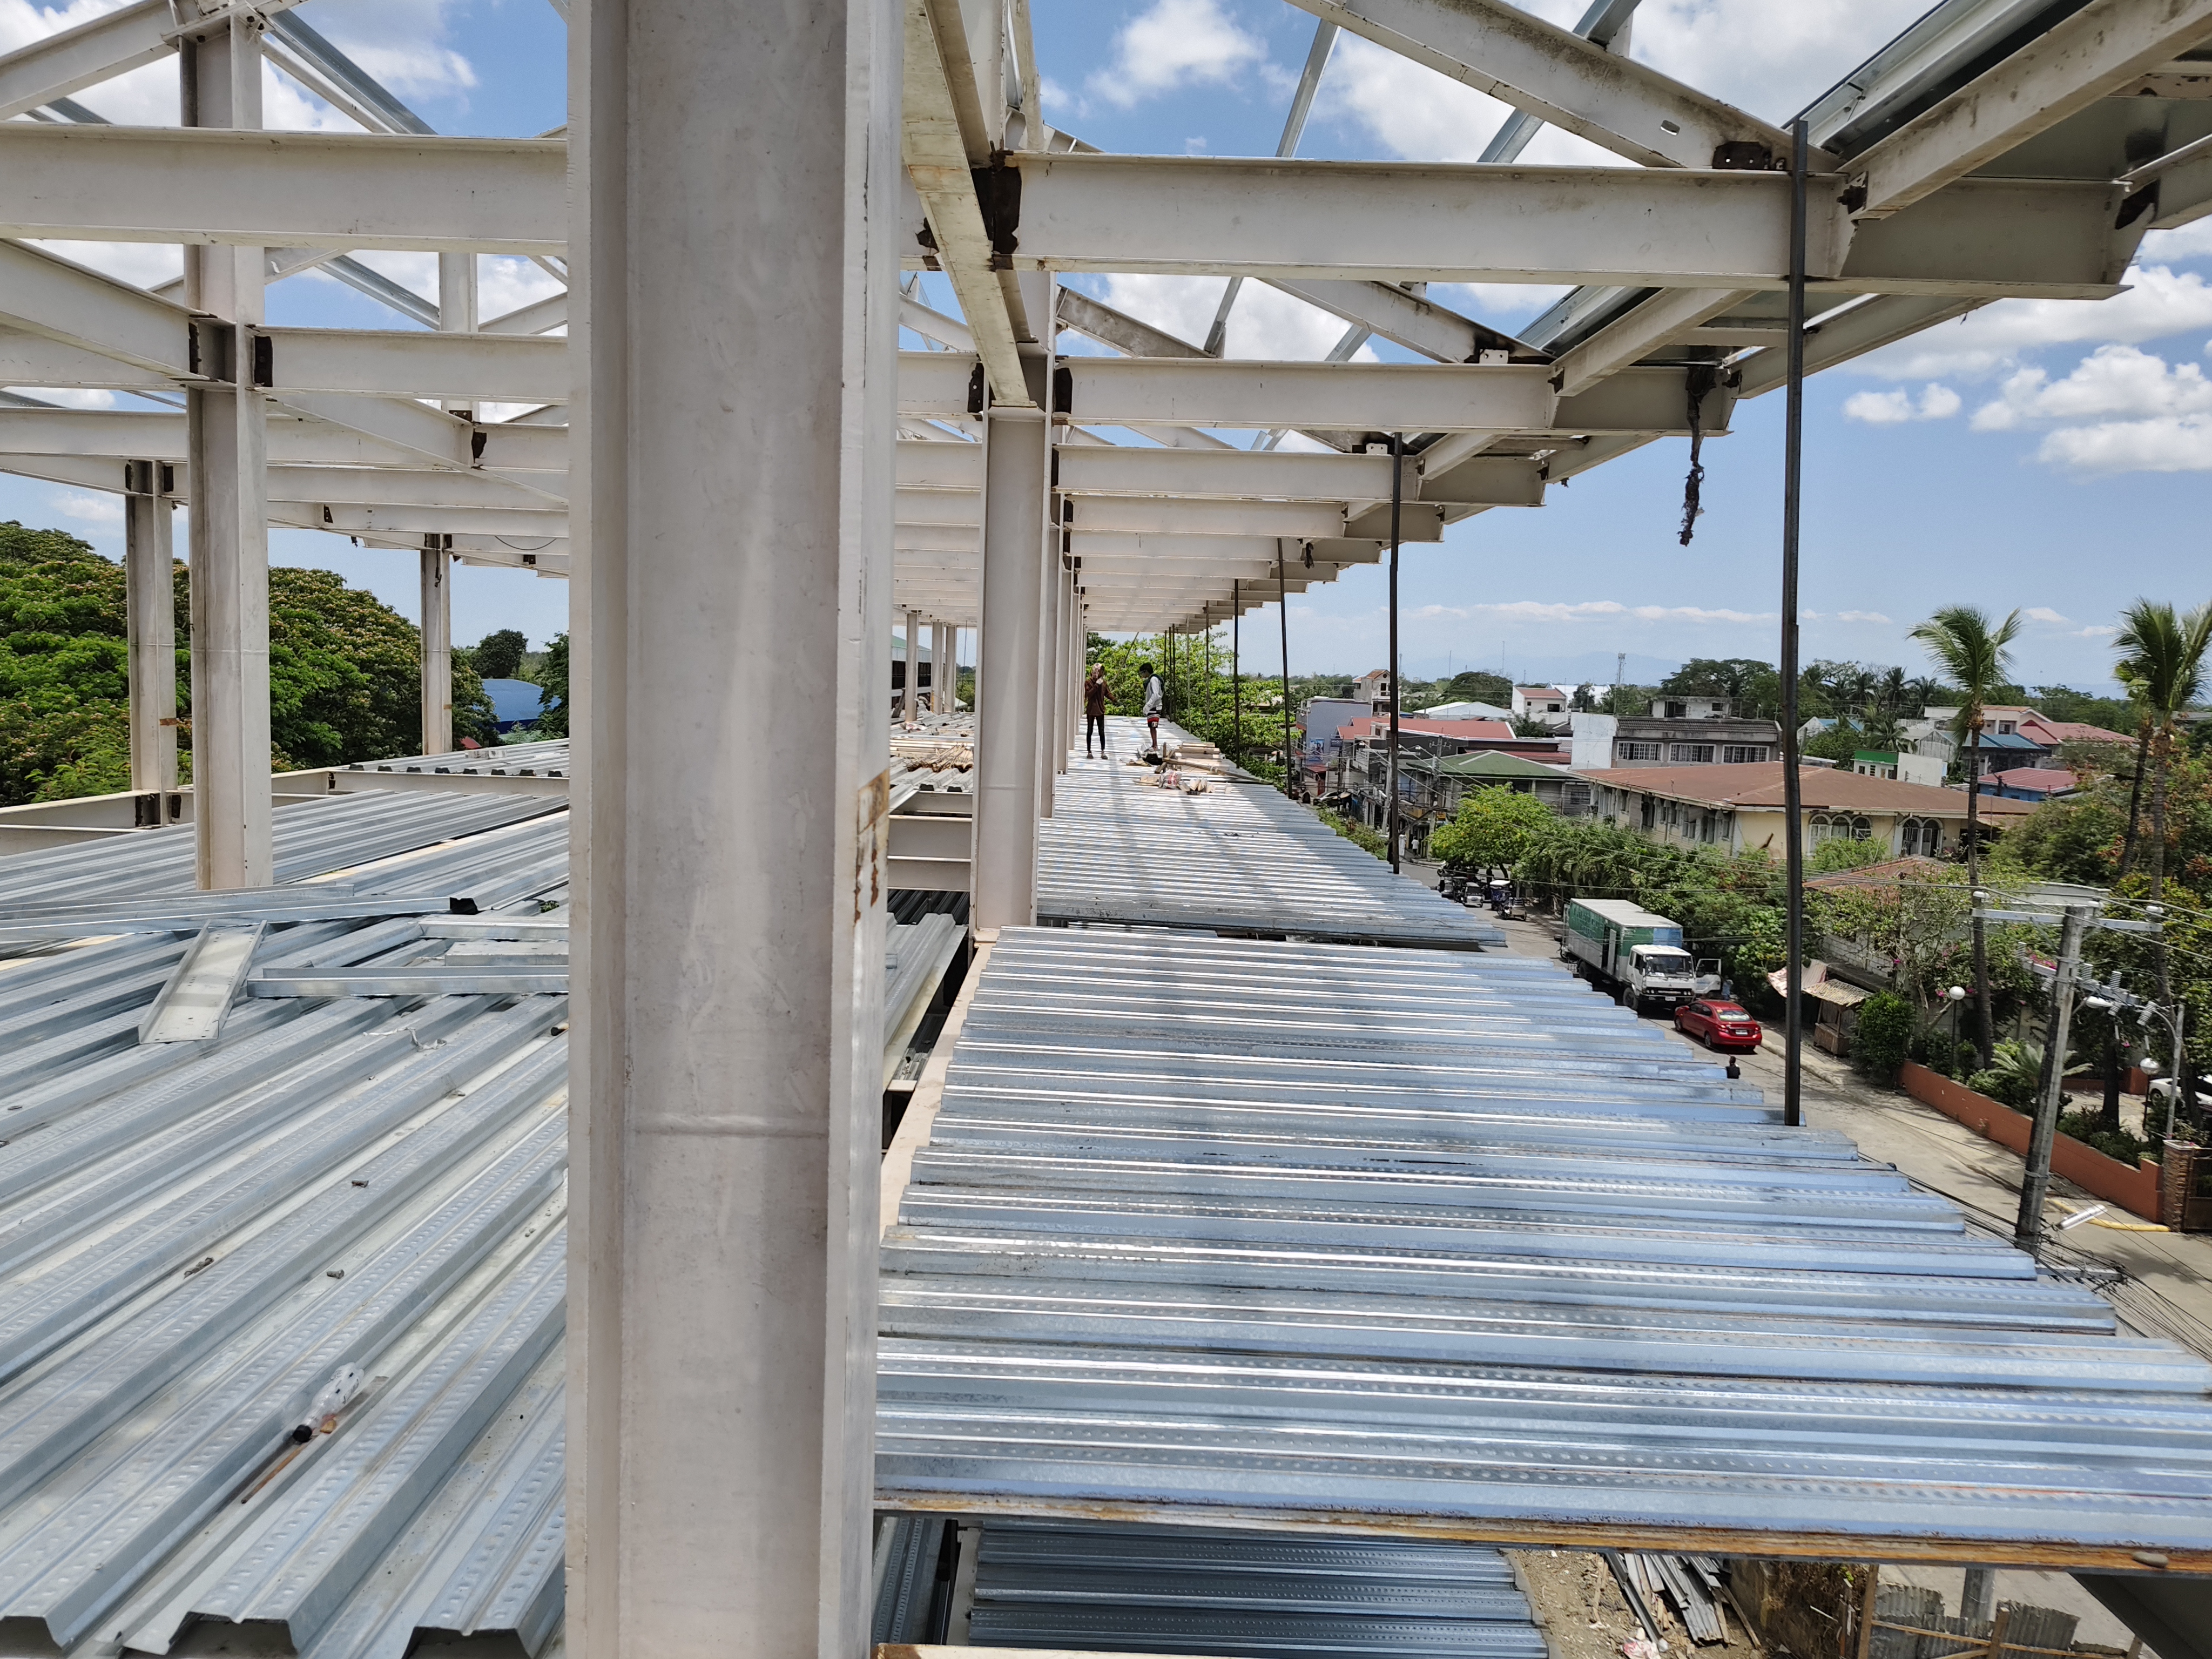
(1401, 1241)
(344, 1215)
(1238, 859)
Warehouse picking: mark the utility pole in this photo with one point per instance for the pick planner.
(1283, 606)
(1235, 670)
(2028, 1232)
(1792, 820)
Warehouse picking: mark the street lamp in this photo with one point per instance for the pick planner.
(1954, 996)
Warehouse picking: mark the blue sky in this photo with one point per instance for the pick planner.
(2050, 456)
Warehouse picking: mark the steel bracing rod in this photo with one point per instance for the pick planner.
(337, 78)
(1397, 497)
(1605, 22)
(1283, 608)
(1294, 127)
(1793, 825)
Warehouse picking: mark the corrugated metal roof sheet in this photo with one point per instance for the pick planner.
(1393, 1240)
(1238, 859)
(1172, 1589)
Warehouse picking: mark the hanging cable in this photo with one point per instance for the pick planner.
(1701, 379)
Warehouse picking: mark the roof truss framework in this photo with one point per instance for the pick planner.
(1923, 220)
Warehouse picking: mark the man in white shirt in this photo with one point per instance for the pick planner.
(1156, 699)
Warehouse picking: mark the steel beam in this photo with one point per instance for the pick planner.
(437, 632)
(113, 43)
(1011, 665)
(1372, 397)
(519, 368)
(2095, 51)
(1205, 516)
(1558, 76)
(227, 448)
(318, 190)
(150, 623)
(733, 473)
(44, 293)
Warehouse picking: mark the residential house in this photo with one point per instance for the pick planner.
(1608, 741)
(1546, 705)
(2032, 783)
(1693, 708)
(1901, 765)
(2051, 733)
(1358, 768)
(1373, 689)
(1438, 786)
(1320, 755)
(1739, 808)
(1465, 711)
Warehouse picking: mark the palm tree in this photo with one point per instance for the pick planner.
(2162, 662)
(1976, 659)
(1889, 690)
(2130, 844)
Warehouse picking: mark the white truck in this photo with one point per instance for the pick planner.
(1635, 955)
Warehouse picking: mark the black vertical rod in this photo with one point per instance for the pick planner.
(1283, 606)
(1236, 671)
(1397, 498)
(1793, 819)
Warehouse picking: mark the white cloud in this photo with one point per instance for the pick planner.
(2168, 443)
(1176, 44)
(1861, 617)
(2113, 380)
(2158, 302)
(505, 285)
(1937, 403)
(2096, 631)
(2043, 613)
(88, 508)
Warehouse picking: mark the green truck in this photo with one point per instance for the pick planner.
(1635, 955)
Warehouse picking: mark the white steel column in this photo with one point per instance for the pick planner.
(437, 647)
(218, 73)
(910, 695)
(943, 673)
(732, 514)
(150, 623)
(1008, 660)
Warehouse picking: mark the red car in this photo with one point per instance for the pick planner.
(1721, 1024)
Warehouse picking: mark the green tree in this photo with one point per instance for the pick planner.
(1751, 686)
(344, 672)
(1475, 685)
(1883, 1034)
(1975, 658)
(499, 655)
(553, 721)
(1490, 830)
(2161, 660)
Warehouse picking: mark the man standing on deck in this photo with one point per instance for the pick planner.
(1094, 710)
(1156, 699)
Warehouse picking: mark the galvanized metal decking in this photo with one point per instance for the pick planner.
(1410, 1242)
(1172, 1589)
(1239, 859)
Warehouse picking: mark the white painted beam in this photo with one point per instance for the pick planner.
(1205, 516)
(512, 447)
(1557, 76)
(1398, 222)
(537, 316)
(923, 464)
(400, 363)
(36, 359)
(346, 518)
(1356, 397)
(431, 434)
(2096, 50)
(113, 43)
(936, 383)
(321, 189)
(45, 294)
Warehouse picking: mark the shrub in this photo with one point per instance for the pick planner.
(2088, 1128)
(1883, 1034)
(1357, 833)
